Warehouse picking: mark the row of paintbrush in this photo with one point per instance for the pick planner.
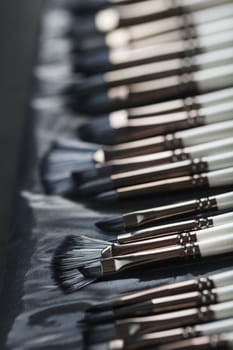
(147, 241)
(161, 53)
(185, 315)
(200, 157)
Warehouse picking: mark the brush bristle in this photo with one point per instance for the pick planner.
(101, 317)
(95, 187)
(98, 131)
(114, 224)
(96, 334)
(105, 197)
(60, 162)
(92, 173)
(71, 257)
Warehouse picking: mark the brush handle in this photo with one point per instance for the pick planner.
(160, 90)
(142, 325)
(175, 302)
(145, 217)
(212, 179)
(180, 139)
(207, 342)
(170, 320)
(166, 229)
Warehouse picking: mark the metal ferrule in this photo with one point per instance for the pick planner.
(160, 242)
(163, 230)
(145, 217)
(133, 261)
(166, 185)
(141, 147)
(142, 325)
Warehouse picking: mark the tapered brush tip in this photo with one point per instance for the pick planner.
(107, 197)
(98, 131)
(114, 224)
(95, 187)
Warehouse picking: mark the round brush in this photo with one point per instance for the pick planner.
(121, 127)
(146, 341)
(109, 60)
(158, 90)
(131, 328)
(150, 71)
(156, 173)
(95, 171)
(207, 180)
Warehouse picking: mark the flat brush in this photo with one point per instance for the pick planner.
(95, 171)
(142, 218)
(198, 223)
(158, 90)
(179, 139)
(167, 304)
(120, 127)
(219, 342)
(140, 12)
(121, 58)
(212, 179)
(72, 274)
(156, 173)
(164, 337)
(138, 326)
(188, 286)
(147, 72)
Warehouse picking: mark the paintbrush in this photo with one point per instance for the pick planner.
(156, 173)
(121, 58)
(84, 249)
(93, 85)
(142, 218)
(187, 286)
(95, 171)
(197, 223)
(138, 326)
(71, 274)
(125, 15)
(222, 341)
(121, 126)
(158, 90)
(205, 180)
(149, 11)
(165, 304)
(163, 337)
(179, 139)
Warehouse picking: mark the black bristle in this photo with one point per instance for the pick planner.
(71, 257)
(61, 160)
(104, 306)
(95, 187)
(98, 131)
(91, 173)
(114, 224)
(106, 197)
